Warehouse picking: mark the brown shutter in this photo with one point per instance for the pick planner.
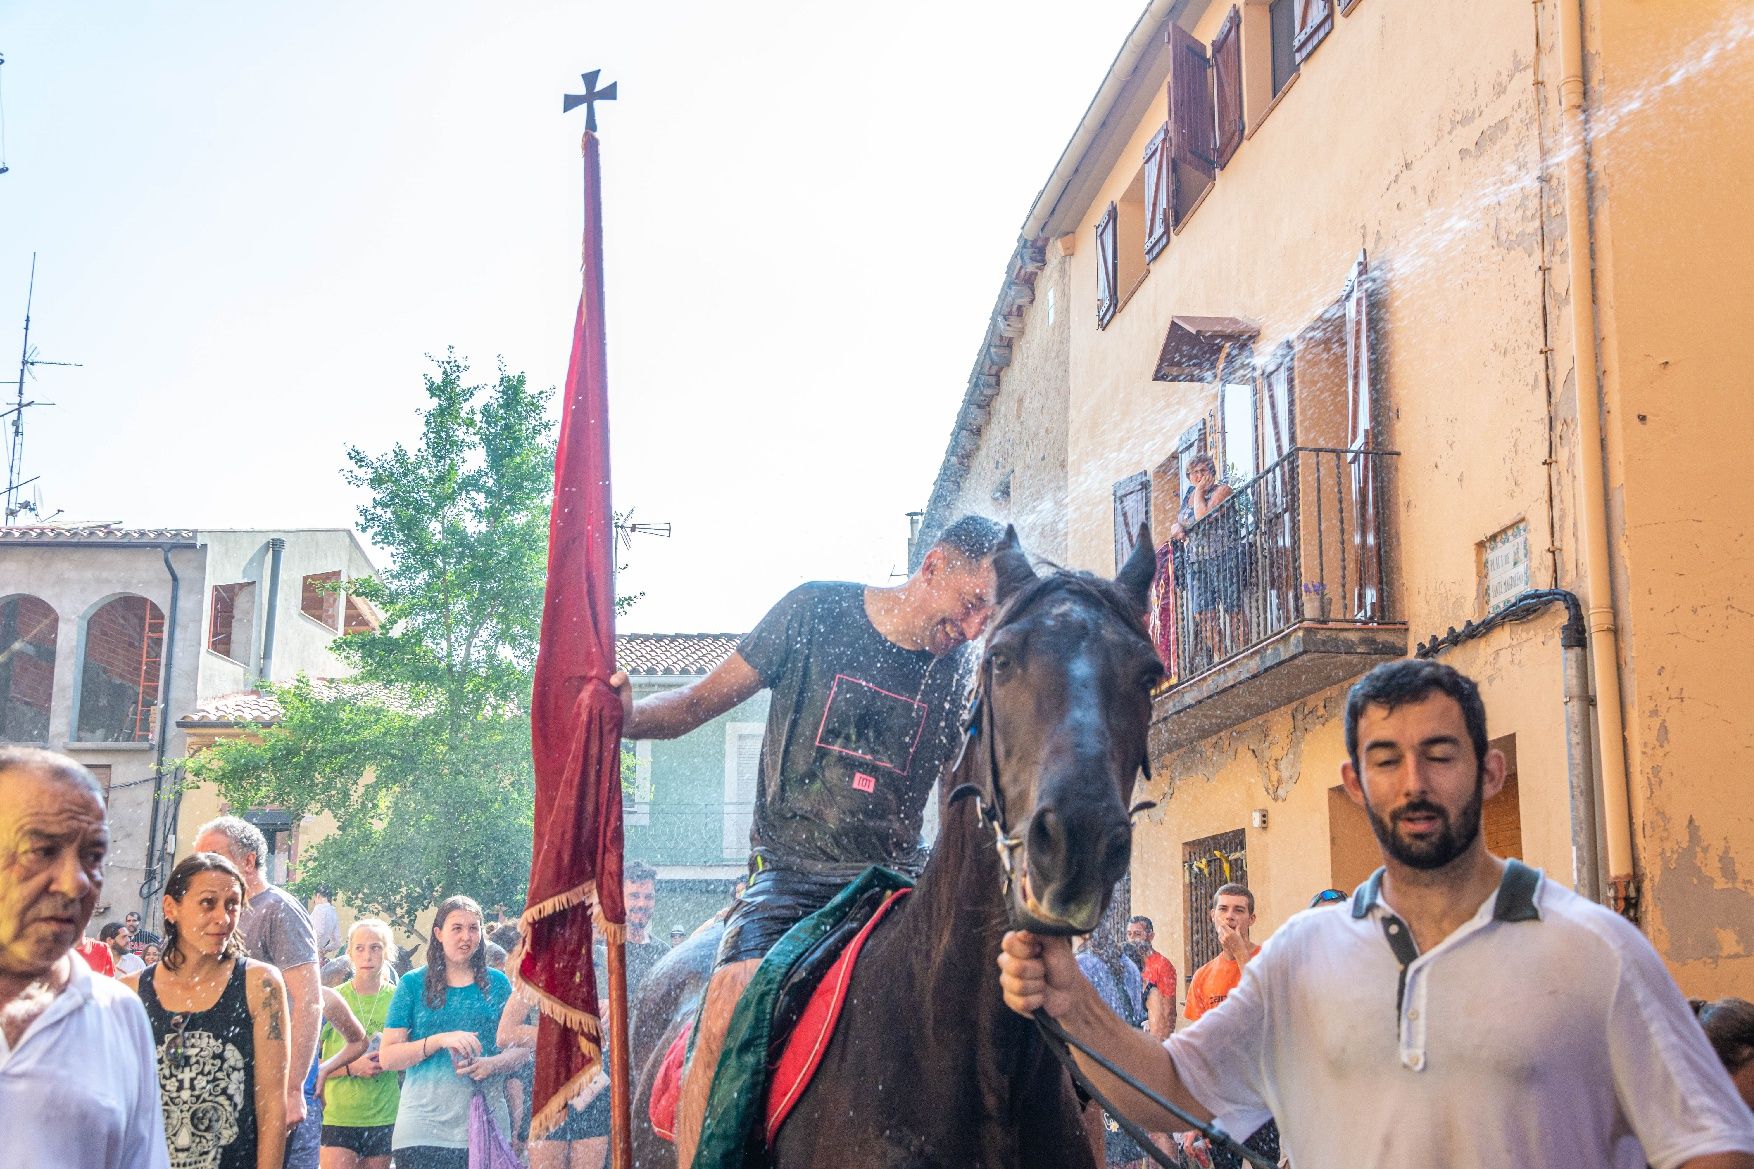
(1315, 18)
(1107, 267)
(1361, 447)
(1227, 85)
(1132, 508)
(1192, 150)
(1277, 424)
(1157, 194)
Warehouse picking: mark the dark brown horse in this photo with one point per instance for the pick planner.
(928, 1067)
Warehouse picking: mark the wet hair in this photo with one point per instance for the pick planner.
(505, 936)
(244, 837)
(109, 931)
(177, 887)
(637, 871)
(1729, 1024)
(1410, 680)
(1141, 919)
(1232, 889)
(378, 927)
(50, 765)
(326, 892)
(436, 969)
(973, 537)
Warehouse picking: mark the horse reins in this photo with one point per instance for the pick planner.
(990, 806)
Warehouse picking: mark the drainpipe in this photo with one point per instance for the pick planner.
(1573, 640)
(276, 547)
(149, 885)
(1591, 477)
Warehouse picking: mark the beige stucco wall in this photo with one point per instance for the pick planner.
(1426, 149)
(1675, 164)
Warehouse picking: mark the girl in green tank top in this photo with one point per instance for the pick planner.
(359, 1098)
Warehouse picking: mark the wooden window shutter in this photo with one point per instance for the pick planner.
(1157, 222)
(1361, 444)
(1132, 508)
(1315, 19)
(1277, 416)
(1192, 149)
(1227, 85)
(1358, 428)
(1107, 267)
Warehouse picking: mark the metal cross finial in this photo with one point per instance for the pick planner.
(589, 98)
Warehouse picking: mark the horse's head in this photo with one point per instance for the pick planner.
(1064, 700)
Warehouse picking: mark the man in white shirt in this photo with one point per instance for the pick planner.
(1464, 1011)
(325, 923)
(78, 1081)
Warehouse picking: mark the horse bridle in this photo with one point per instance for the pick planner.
(990, 806)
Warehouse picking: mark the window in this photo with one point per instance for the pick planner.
(360, 617)
(120, 674)
(1236, 432)
(1208, 863)
(1283, 24)
(231, 620)
(1132, 508)
(1107, 267)
(27, 669)
(636, 784)
(1227, 85)
(319, 601)
(1193, 152)
(742, 782)
(1315, 19)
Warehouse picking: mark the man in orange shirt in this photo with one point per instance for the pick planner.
(1233, 914)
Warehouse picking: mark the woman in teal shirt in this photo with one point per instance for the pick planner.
(441, 1028)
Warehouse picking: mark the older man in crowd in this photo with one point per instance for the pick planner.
(276, 930)
(78, 1082)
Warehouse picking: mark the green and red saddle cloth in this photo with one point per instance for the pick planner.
(781, 1027)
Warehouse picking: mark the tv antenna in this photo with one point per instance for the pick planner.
(625, 527)
(28, 361)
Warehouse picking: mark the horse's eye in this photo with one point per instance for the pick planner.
(1151, 679)
(999, 661)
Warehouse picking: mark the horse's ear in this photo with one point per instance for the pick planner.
(1140, 570)
(1011, 571)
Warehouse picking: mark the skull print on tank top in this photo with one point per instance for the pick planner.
(206, 1076)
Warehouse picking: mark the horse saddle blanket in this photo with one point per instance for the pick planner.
(780, 1029)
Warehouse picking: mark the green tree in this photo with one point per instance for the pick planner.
(422, 755)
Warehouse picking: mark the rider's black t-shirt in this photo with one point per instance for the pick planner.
(858, 731)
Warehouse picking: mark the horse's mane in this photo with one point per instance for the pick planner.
(1073, 580)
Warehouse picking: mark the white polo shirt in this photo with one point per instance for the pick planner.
(80, 1091)
(1543, 1032)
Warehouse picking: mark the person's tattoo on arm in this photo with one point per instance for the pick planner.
(273, 997)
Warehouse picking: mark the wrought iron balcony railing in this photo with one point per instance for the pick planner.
(1302, 542)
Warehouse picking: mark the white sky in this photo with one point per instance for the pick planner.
(255, 219)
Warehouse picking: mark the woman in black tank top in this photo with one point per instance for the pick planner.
(219, 1027)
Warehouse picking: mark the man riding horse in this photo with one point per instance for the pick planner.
(866, 685)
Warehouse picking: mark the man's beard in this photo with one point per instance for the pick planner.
(1453, 839)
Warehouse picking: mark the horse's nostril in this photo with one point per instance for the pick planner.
(1045, 833)
(1117, 853)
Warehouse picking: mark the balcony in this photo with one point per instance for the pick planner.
(1276, 594)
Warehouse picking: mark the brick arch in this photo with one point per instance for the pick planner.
(28, 631)
(120, 670)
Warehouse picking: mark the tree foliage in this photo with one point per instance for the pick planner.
(422, 755)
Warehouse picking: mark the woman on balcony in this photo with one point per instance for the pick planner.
(1213, 581)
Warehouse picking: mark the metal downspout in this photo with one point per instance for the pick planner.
(1591, 477)
(276, 547)
(150, 884)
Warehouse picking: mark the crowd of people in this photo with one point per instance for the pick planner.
(1530, 1026)
(229, 1042)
